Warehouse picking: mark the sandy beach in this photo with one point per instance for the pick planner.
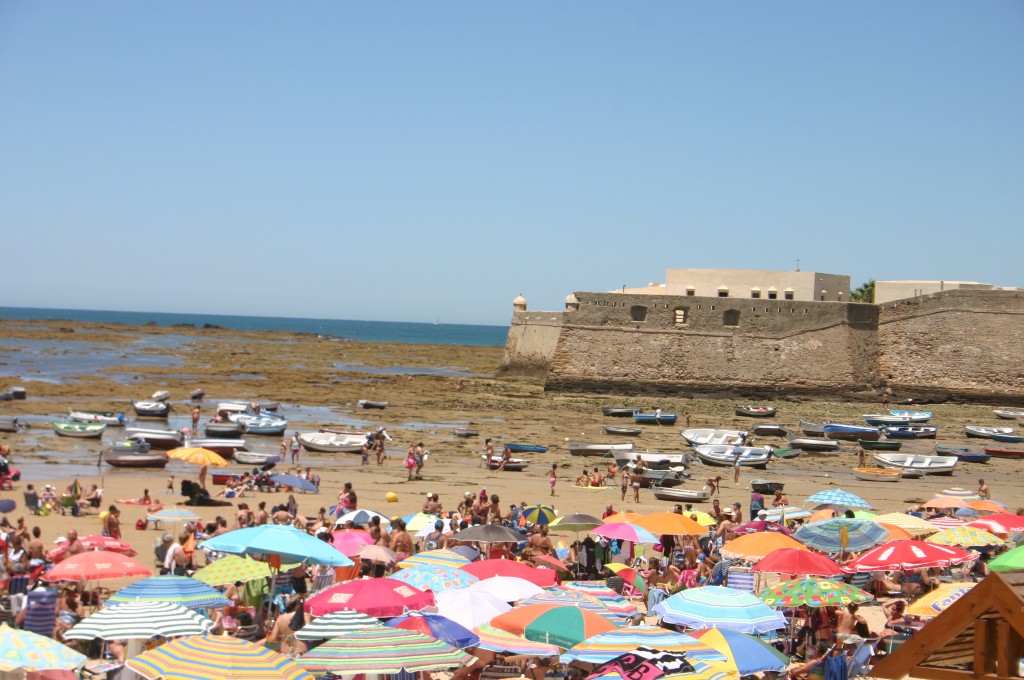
(431, 390)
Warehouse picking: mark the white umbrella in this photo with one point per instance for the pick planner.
(469, 608)
(361, 516)
(140, 620)
(429, 529)
(506, 588)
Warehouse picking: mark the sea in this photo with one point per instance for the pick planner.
(361, 331)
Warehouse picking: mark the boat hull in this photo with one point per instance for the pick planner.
(850, 432)
(577, 448)
(714, 437)
(910, 432)
(332, 443)
(997, 452)
(870, 445)
(756, 411)
(253, 458)
(135, 460)
(986, 432)
(80, 430)
(223, 430)
(466, 432)
(525, 448)
(677, 495)
(511, 465)
(878, 474)
(725, 456)
(105, 417)
(619, 411)
(617, 431)
(812, 429)
(158, 439)
(929, 465)
(964, 455)
(813, 443)
(151, 409)
(766, 486)
(366, 403)
(771, 430)
(654, 418)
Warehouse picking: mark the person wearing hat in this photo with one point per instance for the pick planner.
(435, 539)
(160, 551)
(432, 506)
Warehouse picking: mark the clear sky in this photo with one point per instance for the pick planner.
(411, 161)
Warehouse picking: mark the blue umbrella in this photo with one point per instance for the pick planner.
(277, 539)
(838, 497)
(188, 592)
(827, 535)
(719, 606)
(294, 481)
(436, 626)
(749, 654)
(7, 505)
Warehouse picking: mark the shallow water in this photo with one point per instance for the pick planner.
(447, 371)
(56, 361)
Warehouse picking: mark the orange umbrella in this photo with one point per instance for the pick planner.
(671, 523)
(823, 514)
(896, 533)
(96, 565)
(198, 455)
(985, 506)
(945, 502)
(757, 545)
(627, 517)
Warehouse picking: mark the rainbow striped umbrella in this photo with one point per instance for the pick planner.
(188, 592)
(719, 606)
(606, 646)
(560, 625)
(828, 535)
(915, 526)
(605, 595)
(946, 522)
(965, 537)
(141, 620)
(813, 592)
(435, 578)
(497, 640)
(576, 599)
(215, 657)
(438, 558)
(22, 649)
(382, 651)
(173, 514)
(960, 492)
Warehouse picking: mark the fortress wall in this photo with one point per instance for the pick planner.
(531, 343)
(958, 344)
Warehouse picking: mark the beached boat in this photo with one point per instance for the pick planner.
(813, 443)
(511, 465)
(656, 460)
(812, 429)
(652, 479)
(151, 409)
(222, 478)
(525, 448)
(266, 425)
(367, 403)
(81, 430)
(885, 420)
(105, 417)
(223, 430)
(654, 418)
(225, 447)
(1007, 414)
(197, 394)
(786, 453)
(910, 432)
(617, 431)
(158, 439)
(870, 445)
(579, 448)
(620, 411)
(929, 465)
(770, 430)
(982, 432)
(912, 416)
(850, 432)
(878, 474)
(677, 495)
(766, 486)
(161, 395)
(341, 429)
(256, 458)
(725, 456)
(130, 453)
(965, 455)
(1008, 438)
(9, 424)
(466, 432)
(756, 411)
(998, 452)
(706, 435)
(332, 443)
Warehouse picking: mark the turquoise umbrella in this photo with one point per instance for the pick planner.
(25, 650)
(287, 542)
(838, 498)
(188, 592)
(435, 578)
(827, 535)
(719, 606)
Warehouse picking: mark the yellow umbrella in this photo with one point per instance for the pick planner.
(965, 537)
(701, 518)
(932, 604)
(198, 456)
(757, 545)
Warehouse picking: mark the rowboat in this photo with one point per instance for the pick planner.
(811, 429)
(222, 478)
(677, 495)
(786, 453)
(617, 431)
(756, 411)
(1004, 453)
(578, 448)
(525, 448)
(654, 418)
(253, 424)
(161, 395)
(332, 443)
(1007, 414)
(653, 479)
(985, 432)
(878, 474)
(910, 432)
(80, 430)
(965, 455)
(850, 432)
(225, 447)
(466, 432)
(912, 416)
(813, 443)
(887, 420)
(771, 430)
(255, 458)
(367, 403)
(196, 395)
(656, 460)
(879, 446)
(151, 409)
(225, 430)
(9, 424)
(929, 465)
(707, 435)
(766, 486)
(158, 439)
(725, 456)
(134, 454)
(511, 465)
(1008, 438)
(105, 417)
(620, 411)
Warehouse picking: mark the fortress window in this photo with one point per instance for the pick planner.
(755, 293)
(731, 317)
(723, 291)
(773, 293)
(682, 315)
(788, 293)
(690, 291)
(638, 313)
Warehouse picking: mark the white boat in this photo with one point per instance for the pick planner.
(912, 416)
(813, 443)
(81, 430)
(158, 439)
(709, 435)
(1008, 415)
(678, 495)
(259, 424)
(878, 474)
(578, 448)
(812, 429)
(882, 419)
(161, 395)
(332, 443)
(225, 447)
(655, 460)
(255, 458)
(986, 432)
(725, 456)
(929, 465)
(151, 409)
(105, 417)
(369, 403)
(511, 465)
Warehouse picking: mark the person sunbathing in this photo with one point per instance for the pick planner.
(144, 499)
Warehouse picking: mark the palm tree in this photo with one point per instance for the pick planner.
(865, 293)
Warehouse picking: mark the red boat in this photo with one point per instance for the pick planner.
(221, 478)
(1004, 453)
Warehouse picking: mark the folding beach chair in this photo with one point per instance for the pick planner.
(741, 579)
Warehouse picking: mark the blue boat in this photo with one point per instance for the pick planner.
(850, 432)
(910, 432)
(525, 448)
(912, 416)
(966, 455)
(1008, 438)
(654, 418)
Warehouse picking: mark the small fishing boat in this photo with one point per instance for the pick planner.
(725, 456)
(225, 447)
(367, 403)
(766, 486)
(198, 394)
(997, 452)
(812, 429)
(813, 443)
(223, 430)
(885, 420)
(620, 411)
(912, 416)
(982, 432)
(653, 479)
(255, 458)
(870, 445)
(158, 439)
(9, 424)
(151, 409)
(332, 443)
(105, 417)
(770, 430)
(850, 432)
(511, 465)
(655, 460)
(929, 465)
(1006, 414)
(965, 455)
(654, 418)
(525, 448)
(134, 459)
(708, 435)
(756, 411)
(786, 453)
(81, 430)
(266, 425)
(19, 392)
(910, 432)
(1008, 438)
(578, 448)
(222, 478)
(130, 446)
(677, 495)
(878, 474)
(161, 395)
(466, 432)
(617, 431)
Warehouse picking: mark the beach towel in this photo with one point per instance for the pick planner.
(837, 667)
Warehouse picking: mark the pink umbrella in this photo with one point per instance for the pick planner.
(380, 597)
(484, 569)
(349, 542)
(625, 532)
(946, 522)
(760, 525)
(798, 562)
(908, 554)
(999, 523)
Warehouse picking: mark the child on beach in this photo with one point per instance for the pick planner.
(553, 477)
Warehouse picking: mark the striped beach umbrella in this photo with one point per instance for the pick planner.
(626, 532)
(839, 534)
(575, 599)
(941, 502)
(361, 517)
(469, 607)
(798, 562)
(27, 651)
(215, 657)
(562, 625)
(232, 569)
(497, 640)
(719, 606)
(435, 578)
(837, 498)
(744, 654)
(813, 592)
(908, 555)
(438, 558)
(173, 514)
(435, 626)
(786, 513)
(946, 522)
(182, 590)
(140, 620)
(336, 623)
(915, 526)
(539, 514)
(607, 646)
(382, 651)
(960, 492)
(965, 537)
(608, 597)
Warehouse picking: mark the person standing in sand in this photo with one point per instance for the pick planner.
(983, 490)
(296, 446)
(736, 468)
(195, 419)
(553, 477)
(489, 451)
(635, 479)
(112, 523)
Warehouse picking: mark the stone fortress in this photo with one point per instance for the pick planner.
(766, 334)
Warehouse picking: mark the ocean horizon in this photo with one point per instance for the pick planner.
(415, 333)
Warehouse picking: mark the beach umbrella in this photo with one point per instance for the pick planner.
(609, 645)
(813, 592)
(289, 543)
(934, 603)
(626, 532)
(446, 526)
(895, 533)
(468, 607)
(575, 522)
(181, 590)
(629, 575)
(378, 597)
(700, 517)
(336, 623)
(295, 482)
(497, 640)
(140, 620)
(351, 541)
(92, 543)
(671, 523)
(573, 598)
(837, 498)
(96, 565)
(214, 657)
(797, 562)
(942, 502)
(960, 492)
(418, 520)
(839, 534)
(382, 651)
(377, 553)
(489, 533)
(197, 455)
(562, 625)
(467, 551)
(539, 514)
(620, 517)
(965, 537)
(8, 505)
(23, 650)
(758, 526)
(441, 557)
(985, 505)
(820, 515)
(550, 562)
(908, 555)
(946, 522)
(435, 626)
(435, 578)
(756, 546)
(485, 569)
(172, 514)
(744, 653)
(909, 523)
(864, 514)
(719, 606)
(506, 588)
(1012, 560)
(608, 597)
(1000, 523)
(363, 516)
(232, 569)
(787, 512)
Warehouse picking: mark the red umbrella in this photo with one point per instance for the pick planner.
(380, 597)
(799, 563)
(350, 541)
(761, 525)
(999, 523)
(488, 568)
(92, 543)
(550, 561)
(96, 565)
(908, 554)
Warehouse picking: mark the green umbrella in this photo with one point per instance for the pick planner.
(1009, 561)
(813, 592)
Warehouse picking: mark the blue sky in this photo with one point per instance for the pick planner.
(418, 160)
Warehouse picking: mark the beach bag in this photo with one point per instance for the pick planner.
(140, 525)
(410, 462)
